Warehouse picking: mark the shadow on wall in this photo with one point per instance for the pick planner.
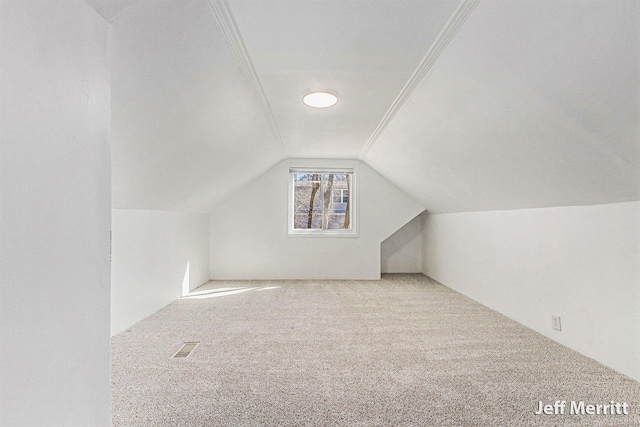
(402, 251)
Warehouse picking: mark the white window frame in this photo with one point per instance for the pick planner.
(351, 232)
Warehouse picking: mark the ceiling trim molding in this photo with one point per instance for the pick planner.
(449, 30)
(227, 24)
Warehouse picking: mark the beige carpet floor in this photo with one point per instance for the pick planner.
(403, 351)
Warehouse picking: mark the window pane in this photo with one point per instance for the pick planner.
(336, 210)
(320, 200)
(346, 186)
(335, 219)
(308, 201)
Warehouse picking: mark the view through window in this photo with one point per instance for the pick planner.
(321, 200)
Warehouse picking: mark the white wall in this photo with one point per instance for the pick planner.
(402, 251)
(54, 215)
(157, 256)
(581, 263)
(249, 232)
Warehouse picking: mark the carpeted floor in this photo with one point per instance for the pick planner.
(403, 351)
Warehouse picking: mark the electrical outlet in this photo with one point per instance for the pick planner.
(555, 323)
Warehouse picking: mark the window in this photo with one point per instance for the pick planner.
(340, 195)
(321, 202)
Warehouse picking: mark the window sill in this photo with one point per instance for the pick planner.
(321, 233)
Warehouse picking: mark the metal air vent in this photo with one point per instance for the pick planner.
(186, 349)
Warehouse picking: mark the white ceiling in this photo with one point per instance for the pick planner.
(187, 129)
(533, 103)
(466, 107)
(363, 50)
(109, 9)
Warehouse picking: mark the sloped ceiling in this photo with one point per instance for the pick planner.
(533, 103)
(465, 105)
(187, 128)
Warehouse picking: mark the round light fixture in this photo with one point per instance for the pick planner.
(320, 99)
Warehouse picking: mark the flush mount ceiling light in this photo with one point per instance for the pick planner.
(320, 99)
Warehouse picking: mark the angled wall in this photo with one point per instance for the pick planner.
(249, 237)
(402, 251)
(54, 215)
(581, 263)
(157, 256)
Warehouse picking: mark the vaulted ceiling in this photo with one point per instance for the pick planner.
(465, 105)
